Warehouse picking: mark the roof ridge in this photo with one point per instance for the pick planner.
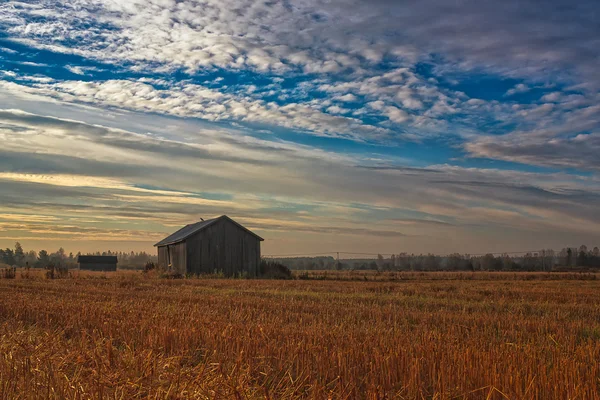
(181, 234)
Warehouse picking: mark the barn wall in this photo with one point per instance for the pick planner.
(98, 266)
(178, 258)
(203, 250)
(223, 247)
(162, 258)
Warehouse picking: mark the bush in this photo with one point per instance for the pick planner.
(9, 273)
(54, 272)
(171, 275)
(150, 266)
(274, 270)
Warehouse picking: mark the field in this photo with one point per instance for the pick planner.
(409, 336)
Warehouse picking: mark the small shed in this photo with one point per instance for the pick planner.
(218, 245)
(97, 263)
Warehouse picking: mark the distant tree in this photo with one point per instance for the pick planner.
(403, 261)
(548, 259)
(19, 254)
(582, 256)
(569, 257)
(490, 263)
(532, 262)
(43, 259)
(9, 257)
(59, 258)
(507, 263)
(470, 265)
(31, 258)
(456, 262)
(415, 263)
(431, 263)
(379, 261)
(594, 260)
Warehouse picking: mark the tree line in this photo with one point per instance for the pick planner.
(544, 260)
(20, 258)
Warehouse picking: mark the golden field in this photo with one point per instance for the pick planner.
(409, 336)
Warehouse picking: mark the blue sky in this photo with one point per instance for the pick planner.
(379, 126)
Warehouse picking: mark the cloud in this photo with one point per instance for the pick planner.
(75, 69)
(340, 191)
(519, 88)
(349, 97)
(404, 57)
(580, 152)
(316, 36)
(180, 95)
(395, 114)
(190, 100)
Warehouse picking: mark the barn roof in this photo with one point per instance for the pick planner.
(97, 259)
(192, 229)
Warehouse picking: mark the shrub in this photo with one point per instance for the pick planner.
(150, 266)
(171, 275)
(9, 273)
(274, 270)
(56, 272)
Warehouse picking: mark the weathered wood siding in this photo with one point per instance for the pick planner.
(223, 247)
(98, 266)
(162, 257)
(178, 257)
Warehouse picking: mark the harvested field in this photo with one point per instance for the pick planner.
(125, 336)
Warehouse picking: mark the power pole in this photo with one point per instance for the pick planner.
(338, 260)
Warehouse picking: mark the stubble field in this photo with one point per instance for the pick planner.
(412, 336)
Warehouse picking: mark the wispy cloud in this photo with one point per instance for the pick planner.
(309, 180)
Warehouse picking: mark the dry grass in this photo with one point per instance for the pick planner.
(391, 276)
(123, 336)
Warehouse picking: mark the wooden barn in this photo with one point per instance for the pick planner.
(215, 245)
(97, 263)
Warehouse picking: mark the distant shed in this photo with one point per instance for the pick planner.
(215, 245)
(97, 263)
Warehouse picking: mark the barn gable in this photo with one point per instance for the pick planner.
(192, 229)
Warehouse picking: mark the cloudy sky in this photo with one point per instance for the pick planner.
(323, 125)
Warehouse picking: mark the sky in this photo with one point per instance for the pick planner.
(323, 125)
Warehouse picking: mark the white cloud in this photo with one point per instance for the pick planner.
(396, 115)
(75, 69)
(519, 88)
(344, 48)
(349, 97)
(551, 97)
(192, 100)
(337, 110)
(353, 35)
